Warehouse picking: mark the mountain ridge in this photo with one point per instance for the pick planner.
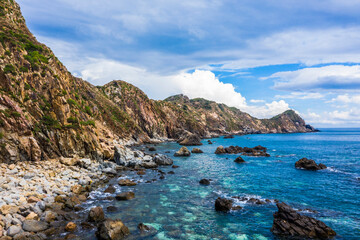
(46, 112)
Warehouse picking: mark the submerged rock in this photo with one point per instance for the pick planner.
(309, 164)
(191, 140)
(288, 222)
(124, 196)
(110, 189)
(183, 152)
(223, 204)
(228, 136)
(209, 142)
(204, 181)
(112, 230)
(152, 149)
(162, 160)
(126, 182)
(96, 214)
(239, 160)
(196, 150)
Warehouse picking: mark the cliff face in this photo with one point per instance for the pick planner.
(45, 112)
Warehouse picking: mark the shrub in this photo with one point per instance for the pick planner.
(88, 123)
(10, 69)
(24, 69)
(50, 122)
(88, 110)
(72, 102)
(73, 120)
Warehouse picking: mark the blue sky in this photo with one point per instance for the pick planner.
(258, 55)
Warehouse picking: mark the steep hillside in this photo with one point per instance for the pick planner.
(45, 112)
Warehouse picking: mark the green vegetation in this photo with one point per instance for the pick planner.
(35, 58)
(88, 123)
(10, 69)
(73, 120)
(48, 121)
(23, 69)
(72, 102)
(88, 110)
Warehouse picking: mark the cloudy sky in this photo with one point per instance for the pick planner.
(258, 55)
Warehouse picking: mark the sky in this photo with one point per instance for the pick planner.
(260, 56)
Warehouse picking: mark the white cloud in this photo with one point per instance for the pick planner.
(257, 101)
(333, 77)
(346, 98)
(348, 118)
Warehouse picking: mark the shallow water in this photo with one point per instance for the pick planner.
(180, 208)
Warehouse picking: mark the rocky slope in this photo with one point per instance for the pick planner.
(45, 112)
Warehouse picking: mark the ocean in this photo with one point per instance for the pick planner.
(178, 207)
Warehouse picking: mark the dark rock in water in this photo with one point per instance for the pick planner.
(162, 177)
(239, 160)
(111, 209)
(223, 204)
(183, 152)
(209, 142)
(143, 228)
(204, 181)
(110, 189)
(124, 196)
(162, 160)
(220, 150)
(309, 164)
(236, 208)
(146, 231)
(34, 226)
(96, 214)
(86, 225)
(127, 182)
(167, 151)
(228, 136)
(253, 200)
(288, 222)
(152, 149)
(171, 172)
(258, 151)
(191, 140)
(196, 150)
(175, 166)
(112, 230)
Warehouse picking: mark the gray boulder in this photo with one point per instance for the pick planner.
(34, 226)
(162, 159)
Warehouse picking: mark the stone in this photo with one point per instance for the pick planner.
(32, 216)
(191, 140)
(69, 161)
(162, 160)
(223, 204)
(289, 223)
(110, 189)
(149, 164)
(228, 136)
(175, 166)
(152, 149)
(70, 227)
(13, 230)
(50, 216)
(196, 150)
(258, 151)
(204, 181)
(309, 164)
(34, 226)
(239, 160)
(183, 152)
(125, 196)
(141, 172)
(127, 182)
(33, 199)
(220, 150)
(8, 209)
(119, 157)
(112, 230)
(111, 209)
(96, 214)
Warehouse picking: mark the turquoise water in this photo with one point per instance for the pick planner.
(179, 208)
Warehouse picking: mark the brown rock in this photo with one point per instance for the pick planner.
(8, 209)
(70, 227)
(125, 196)
(223, 204)
(196, 150)
(33, 199)
(127, 182)
(96, 214)
(32, 216)
(77, 189)
(112, 230)
(110, 189)
(220, 150)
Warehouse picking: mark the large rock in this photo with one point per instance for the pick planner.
(119, 157)
(191, 140)
(96, 214)
(126, 182)
(69, 161)
(309, 164)
(204, 181)
(258, 151)
(124, 196)
(13, 230)
(239, 160)
(223, 204)
(196, 150)
(220, 150)
(34, 226)
(183, 152)
(162, 159)
(288, 222)
(112, 230)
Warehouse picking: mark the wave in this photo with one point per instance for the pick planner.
(334, 170)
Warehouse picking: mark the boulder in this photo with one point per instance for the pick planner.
(220, 150)
(13, 230)
(149, 164)
(196, 150)
(70, 227)
(191, 140)
(96, 214)
(110, 189)
(289, 223)
(162, 160)
(34, 226)
(152, 149)
(309, 164)
(69, 161)
(183, 152)
(112, 230)
(119, 156)
(223, 204)
(209, 142)
(239, 160)
(127, 182)
(204, 181)
(124, 196)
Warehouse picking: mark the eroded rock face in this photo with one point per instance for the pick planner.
(183, 152)
(288, 222)
(112, 230)
(309, 164)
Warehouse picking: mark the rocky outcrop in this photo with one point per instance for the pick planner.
(204, 181)
(288, 222)
(196, 150)
(124, 196)
(96, 215)
(223, 204)
(112, 230)
(191, 140)
(183, 152)
(239, 160)
(309, 164)
(258, 151)
(162, 160)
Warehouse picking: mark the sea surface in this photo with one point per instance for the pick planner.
(178, 207)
